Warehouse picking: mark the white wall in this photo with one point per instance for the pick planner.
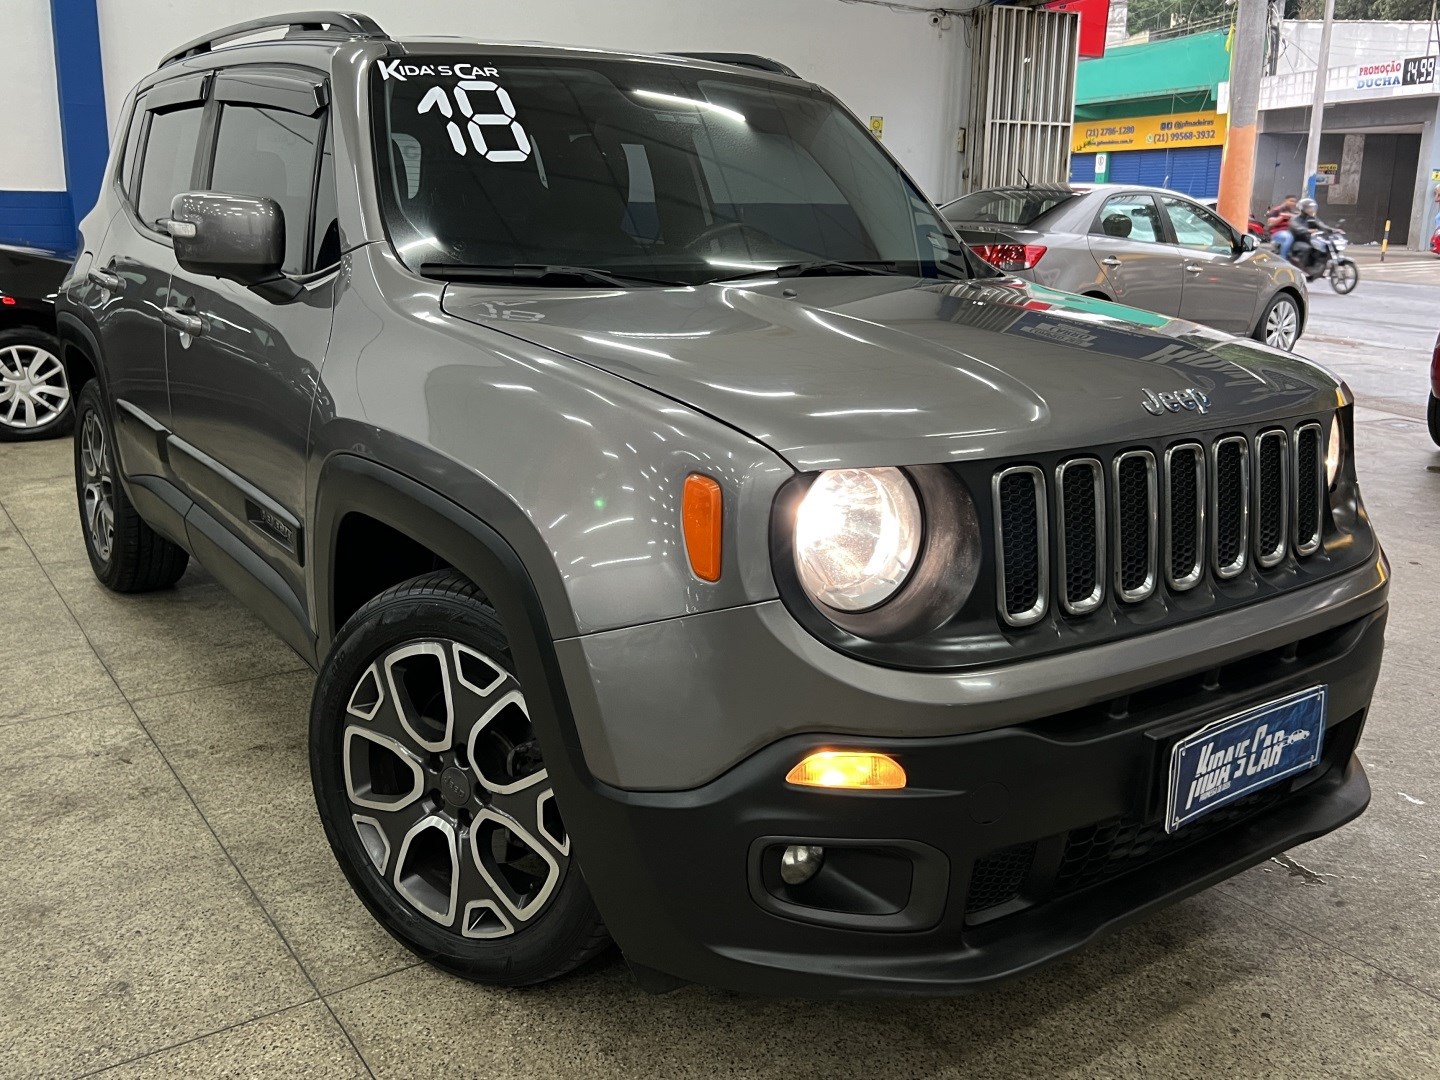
(1352, 43)
(32, 158)
(878, 61)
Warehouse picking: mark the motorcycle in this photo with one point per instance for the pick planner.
(1327, 258)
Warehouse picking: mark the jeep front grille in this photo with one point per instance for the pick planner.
(1080, 529)
(1309, 488)
(1021, 544)
(1184, 516)
(1129, 524)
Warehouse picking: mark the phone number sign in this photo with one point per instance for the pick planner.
(1148, 132)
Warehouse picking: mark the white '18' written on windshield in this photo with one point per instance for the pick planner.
(477, 122)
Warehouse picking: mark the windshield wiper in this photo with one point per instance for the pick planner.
(816, 268)
(535, 274)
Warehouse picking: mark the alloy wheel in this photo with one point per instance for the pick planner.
(447, 791)
(97, 486)
(1282, 325)
(34, 391)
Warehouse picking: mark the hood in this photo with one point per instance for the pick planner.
(867, 371)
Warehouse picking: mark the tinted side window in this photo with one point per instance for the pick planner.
(1130, 217)
(169, 159)
(1198, 228)
(132, 149)
(270, 153)
(325, 238)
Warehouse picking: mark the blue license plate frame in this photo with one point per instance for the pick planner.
(1242, 753)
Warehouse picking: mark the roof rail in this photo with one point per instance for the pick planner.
(296, 22)
(750, 60)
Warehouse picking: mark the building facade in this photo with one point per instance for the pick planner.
(1149, 113)
(1379, 153)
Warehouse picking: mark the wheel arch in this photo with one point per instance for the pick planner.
(80, 353)
(353, 486)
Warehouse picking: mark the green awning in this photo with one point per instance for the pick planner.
(1183, 65)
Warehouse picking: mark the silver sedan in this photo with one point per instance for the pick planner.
(1145, 247)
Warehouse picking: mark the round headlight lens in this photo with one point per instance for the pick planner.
(1332, 452)
(857, 536)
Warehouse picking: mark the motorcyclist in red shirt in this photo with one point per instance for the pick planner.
(1277, 222)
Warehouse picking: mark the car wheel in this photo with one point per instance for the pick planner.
(1433, 415)
(1279, 327)
(35, 399)
(125, 553)
(434, 794)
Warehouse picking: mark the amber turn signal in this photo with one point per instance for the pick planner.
(702, 514)
(860, 770)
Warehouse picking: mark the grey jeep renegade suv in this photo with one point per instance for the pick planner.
(697, 546)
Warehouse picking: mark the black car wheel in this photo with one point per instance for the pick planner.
(1279, 327)
(434, 795)
(1433, 415)
(125, 553)
(35, 399)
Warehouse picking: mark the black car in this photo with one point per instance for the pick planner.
(35, 401)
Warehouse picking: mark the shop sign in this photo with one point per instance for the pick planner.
(1413, 71)
(1148, 132)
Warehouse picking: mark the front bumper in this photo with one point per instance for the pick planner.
(1009, 847)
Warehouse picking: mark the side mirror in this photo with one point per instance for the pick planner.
(237, 237)
(1248, 242)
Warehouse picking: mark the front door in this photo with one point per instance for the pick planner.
(128, 283)
(243, 368)
(1129, 243)
(1223, 282)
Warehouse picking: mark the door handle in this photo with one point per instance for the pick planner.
(183, 321)
(1193, 268)
(1110, 260)
(106, 280)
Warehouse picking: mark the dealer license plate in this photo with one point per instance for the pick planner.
(1240, 754)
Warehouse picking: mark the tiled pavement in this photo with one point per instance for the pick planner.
(169, 907)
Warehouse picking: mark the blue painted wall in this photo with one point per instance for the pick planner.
(47, 218)
(38, 218)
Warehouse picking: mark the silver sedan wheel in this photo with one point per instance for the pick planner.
(1282, 324)
(447, 791)
(34, 391)
(97, 487)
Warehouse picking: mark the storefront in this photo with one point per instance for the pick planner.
(1147, 114)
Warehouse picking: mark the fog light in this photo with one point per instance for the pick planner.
(854, 769)
(800, 863)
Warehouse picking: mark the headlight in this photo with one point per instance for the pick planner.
(1333, 452)
(857, 536)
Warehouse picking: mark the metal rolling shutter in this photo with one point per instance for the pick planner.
(1194, 171)
(1082, 168)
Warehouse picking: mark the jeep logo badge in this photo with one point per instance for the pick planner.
(1174, 400)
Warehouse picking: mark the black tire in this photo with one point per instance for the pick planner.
(1344, 276)
(1433, 415)
(49, 413)
(535, 927)
(128, 556)
(1270, 328)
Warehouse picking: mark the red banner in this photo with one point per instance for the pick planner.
(1094, 19)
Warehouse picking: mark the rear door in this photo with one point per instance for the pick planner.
(1223, 285)
(1129, 242)
(243, 383)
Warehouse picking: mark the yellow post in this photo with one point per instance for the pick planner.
(1385, 241)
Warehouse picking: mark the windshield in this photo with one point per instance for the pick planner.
(1020, 207)
(649, 173)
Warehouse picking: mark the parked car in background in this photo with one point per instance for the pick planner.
(1433, 413)
(35, 398)
(1145, 247)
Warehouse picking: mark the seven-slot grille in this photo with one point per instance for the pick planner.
(1125, 525)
